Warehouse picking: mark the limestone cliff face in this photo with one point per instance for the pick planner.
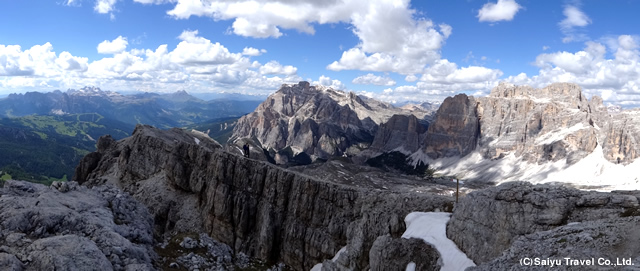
(485, 223)
(316, 120)
(455, 129)
(549, 124)
(403, 133)
(538, 125)
(257, 208)
(622, 143)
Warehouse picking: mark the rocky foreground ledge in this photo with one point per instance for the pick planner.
(71, 227)
(189, 184)
(500, 227)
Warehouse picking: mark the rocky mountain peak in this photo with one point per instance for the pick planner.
(91, 91)
(556, 91)
(316, 120)
(531, 128)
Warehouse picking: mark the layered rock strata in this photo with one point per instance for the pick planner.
(315, 120)
(538, 125)
(486, 222)
(258, 209)
(455, 129)
(402, 133)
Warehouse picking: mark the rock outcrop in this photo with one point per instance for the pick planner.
(486, 222)
(403, 133)
(256, 208)
(70, 227)
(608, 244)
(455, 129)
(316, 120)
(622, 143)
(388, 253)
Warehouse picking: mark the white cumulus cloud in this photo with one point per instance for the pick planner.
(104, 6)
(371, 79)
(503, 10)
(273, 67)
(250, 51)
(616, 79)
(574, 19)
(196, 64)
(327, 81)
(115, 46)
(393, 37)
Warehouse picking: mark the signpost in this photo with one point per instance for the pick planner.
(457, 187)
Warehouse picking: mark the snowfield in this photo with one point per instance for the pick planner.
(432, 228)
(593, 172)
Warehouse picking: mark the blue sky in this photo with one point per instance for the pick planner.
(392, 50)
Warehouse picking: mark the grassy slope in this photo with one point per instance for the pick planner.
(48, 148)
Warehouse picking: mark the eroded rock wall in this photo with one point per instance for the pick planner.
(259, 209)
(485, 223)
(455, 130)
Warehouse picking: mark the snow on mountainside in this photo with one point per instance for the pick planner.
(552, 134)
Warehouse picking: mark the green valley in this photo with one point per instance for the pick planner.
(47, 148)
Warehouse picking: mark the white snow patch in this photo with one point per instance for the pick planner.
(432, 228)
(318, 267)
(558, 134)
(58, 112)
(411, 267)
(196, 140)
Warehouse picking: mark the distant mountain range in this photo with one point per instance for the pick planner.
(161, 110)
(47, 148)
(43, 135)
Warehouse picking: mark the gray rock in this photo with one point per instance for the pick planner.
(9, 262)
(484, 223)
(539, 125)
(189, 243)
(264, 211)
(388, 253)
(401, 132)
(315, 120)
(70, 227)
(66, 252)
(614, 240)
(455, 130)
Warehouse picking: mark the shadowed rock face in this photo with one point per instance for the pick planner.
(486, 222)
(403, 133)
(257, 208)
(455, 130)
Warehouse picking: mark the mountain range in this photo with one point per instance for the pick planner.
(177, 109)
(43, 136)
(515, 133)
(175, 199)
